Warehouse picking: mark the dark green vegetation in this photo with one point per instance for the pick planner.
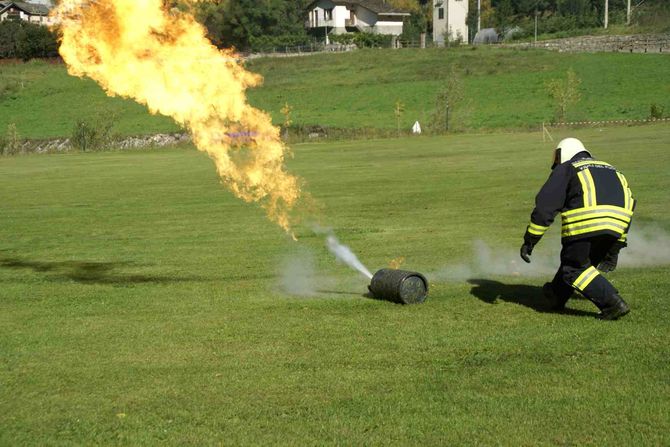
(24, 40)
(250, 25)
(139, 304)
(503, 88)
(563, 18)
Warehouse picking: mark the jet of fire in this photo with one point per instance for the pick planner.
(162, 58)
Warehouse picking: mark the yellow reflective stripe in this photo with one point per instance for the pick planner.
(626, 191)
(588, 188)
(624, 182)
(617, 228)
(537, 230)
(585, 278)
(590, 162)
(604, 208)
(585, 186)
(592, 187)
(623, 238)
(538, 227)
(582, 214)
(622, 226)
(631, 200)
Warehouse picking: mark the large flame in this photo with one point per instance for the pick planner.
(163, 59)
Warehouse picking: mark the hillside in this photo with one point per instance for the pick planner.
(504, 88)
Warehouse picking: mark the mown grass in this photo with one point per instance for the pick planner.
(140, 304)
(505, 88)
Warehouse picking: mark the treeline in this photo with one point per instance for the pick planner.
(566, 16)
(261, 25)
(23, 40)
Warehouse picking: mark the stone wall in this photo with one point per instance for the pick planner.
(64, 145)
(659, 43)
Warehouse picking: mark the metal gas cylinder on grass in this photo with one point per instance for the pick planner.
(399, 286)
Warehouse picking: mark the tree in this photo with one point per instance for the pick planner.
(398, 110)
(25, 40)
(503, 15)
(449, 102)
(565, 93)
(286, 112)
(406, 5)
(254, 24)
(487, 15)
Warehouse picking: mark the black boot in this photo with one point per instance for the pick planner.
(555, 303)
(615, 309)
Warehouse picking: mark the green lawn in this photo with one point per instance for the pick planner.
(140, 303)
(505, 88)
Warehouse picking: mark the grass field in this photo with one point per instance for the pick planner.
(505, 88)
(141, 304)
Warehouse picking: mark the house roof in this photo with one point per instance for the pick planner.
(30, 8)
(376, 6)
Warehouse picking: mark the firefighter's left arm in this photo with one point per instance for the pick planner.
(548, 202)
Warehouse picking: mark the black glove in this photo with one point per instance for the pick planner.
(526, 251)
(609, 262)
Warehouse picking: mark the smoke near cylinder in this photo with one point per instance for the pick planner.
(162, 59)
(648, 246)
(345, 255)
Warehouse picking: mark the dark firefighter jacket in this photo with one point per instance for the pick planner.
(592, 197)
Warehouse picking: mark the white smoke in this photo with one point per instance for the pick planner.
(647, 246)
(345, 255)
(298, 274)
(486, 261)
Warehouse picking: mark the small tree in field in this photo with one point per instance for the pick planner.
(10, 143)
(398, 111)
(565, 93)
(286, 112)
(449, 99)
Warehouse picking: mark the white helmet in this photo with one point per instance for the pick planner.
(567, 149)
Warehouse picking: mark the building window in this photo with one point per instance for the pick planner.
(328, 14)
(440, 13)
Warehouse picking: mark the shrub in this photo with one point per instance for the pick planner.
(91, 136)
(8, 87)
(656, 111)
(10, 143)
(278, 43)
(363, 40)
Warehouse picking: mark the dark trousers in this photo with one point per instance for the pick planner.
(579, 259)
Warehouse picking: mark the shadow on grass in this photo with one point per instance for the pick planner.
(88, 272)
(530, 296)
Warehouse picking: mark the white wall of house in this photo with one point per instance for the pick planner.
(454, 14)
(370, 21)
(326, 13)
(338, 17)
(41, 20)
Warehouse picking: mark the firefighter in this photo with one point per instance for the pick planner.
(596, 207)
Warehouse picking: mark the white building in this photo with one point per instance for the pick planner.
(30, 12)
(342, 16)
(449, 18)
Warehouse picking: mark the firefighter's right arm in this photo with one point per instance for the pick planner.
(548, 202)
